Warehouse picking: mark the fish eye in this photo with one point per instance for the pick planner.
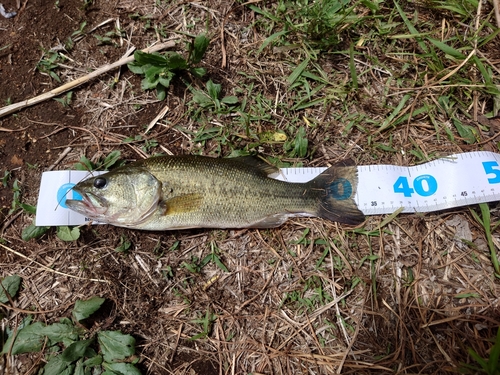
(100, 182)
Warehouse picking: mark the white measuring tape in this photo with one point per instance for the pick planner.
(457, 180)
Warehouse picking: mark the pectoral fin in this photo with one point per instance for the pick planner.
(181, 204)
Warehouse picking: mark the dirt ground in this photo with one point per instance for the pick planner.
(396, 313)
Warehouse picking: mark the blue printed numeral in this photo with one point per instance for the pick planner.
(492, 167)
(424, 189)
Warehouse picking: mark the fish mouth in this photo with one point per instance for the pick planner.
(91, 205)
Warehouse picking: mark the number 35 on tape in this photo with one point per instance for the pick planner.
(457, 180)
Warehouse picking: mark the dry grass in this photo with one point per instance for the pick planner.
(311, 296)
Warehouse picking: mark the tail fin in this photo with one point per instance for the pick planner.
(336, 188)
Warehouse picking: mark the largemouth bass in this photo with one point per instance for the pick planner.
(179, 192)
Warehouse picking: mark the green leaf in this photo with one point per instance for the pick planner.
(80, 368)
(28, 208)
(76, 350)
(410, 27)
(135, 68)
(495, 355)
(55, 76)
(120, 369)
(198, 72)
(143, 58)
(60, 332)
(161, 92)
(165, 78)
(219, 264)
(115, 345)
(68, 234)
(32, 231)
(231, 100)
(56, 365)
(202, 99)
(388, 121)
(465, 131)
(176, 61)
(265, 13)
(153, 73)
(200, 46)
(28, 339)
(84, 164)
(486, 75)
(10, 285)
(146, 84)
(93, 361)
(84, 308)
(213, 89)
(467, 295)
(373, 6)
(478, 359)
(111, 159)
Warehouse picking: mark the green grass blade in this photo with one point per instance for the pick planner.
(298, 71)
(391, 217)
(264, 13)
(482, 69)
(394, 113)
(485, 213)
(270, 39)
(410, 27)
(447, 49)
(495, 355)
(478, 359)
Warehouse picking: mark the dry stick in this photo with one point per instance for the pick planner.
(496, 5)
(79, 81)
(60, 158)
(160, 115)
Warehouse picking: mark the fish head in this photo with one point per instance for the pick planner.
(125, 197)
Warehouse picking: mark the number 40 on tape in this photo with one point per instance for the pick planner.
(426, 185)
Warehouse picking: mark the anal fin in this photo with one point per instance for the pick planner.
(271, 221)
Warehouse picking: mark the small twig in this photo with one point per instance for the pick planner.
(176, 344)
(160, 115)
(61, 157)
(79, 81)
(11, 220)
(16, 309)
(12, 130)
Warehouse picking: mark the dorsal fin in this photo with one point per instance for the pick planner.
(258, 163)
